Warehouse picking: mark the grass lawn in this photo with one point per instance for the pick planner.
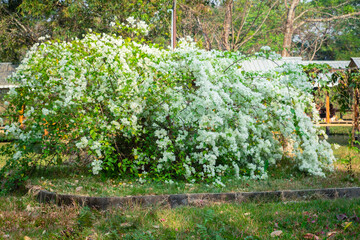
(21, 216)
(339, 130)
(67, 180)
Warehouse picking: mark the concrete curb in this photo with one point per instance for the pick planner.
(196, 199)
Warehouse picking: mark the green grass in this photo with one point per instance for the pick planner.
(2, 158)
(339, 130)
(22, 216)
(69, 181)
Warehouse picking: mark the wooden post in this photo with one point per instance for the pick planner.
(174, 24)
(327, 107)
(327, 112)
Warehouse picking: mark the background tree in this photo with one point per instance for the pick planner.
(344, 44)
(23, 22)
(15, 35)
(229, 25)
(318, 29)
(321, 11)
(309, 40)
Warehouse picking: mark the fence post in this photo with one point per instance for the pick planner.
(327, 112)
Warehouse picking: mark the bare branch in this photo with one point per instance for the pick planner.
(320, 10)
(286, 4)
(253, 23)
(349, 15)
(205, 34)
(302, 13)
(260, 26)
(245, 16)
(22, 27)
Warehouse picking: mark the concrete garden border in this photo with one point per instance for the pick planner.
(196, 199)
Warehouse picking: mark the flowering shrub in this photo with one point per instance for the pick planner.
(137, 109)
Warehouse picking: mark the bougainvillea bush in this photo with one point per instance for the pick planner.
(145, 111)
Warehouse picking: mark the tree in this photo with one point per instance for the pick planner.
(229, 25)
(310, 39)
(344, 44)
(14, 32)
(313, 12)
(23, 22)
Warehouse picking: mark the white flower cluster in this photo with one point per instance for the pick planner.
(43, 38)
(265, 48)
(138, 25)
(182, 113)
(96, 166)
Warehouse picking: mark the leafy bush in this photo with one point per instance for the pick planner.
(184, 114)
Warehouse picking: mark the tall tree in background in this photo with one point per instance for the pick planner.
(319, 11)
(23, 22)
(344, 43)
(230, 24)
(310, 39)
(312, 29)
(15, 34)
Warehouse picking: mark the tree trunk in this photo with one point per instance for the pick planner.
(289, 28)
(227, 25)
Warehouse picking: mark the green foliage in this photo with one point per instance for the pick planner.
(344, 42)
(15, 172)
(317, 74)
(348, 80)
(254, 24)
(86, 217)
(24, 22)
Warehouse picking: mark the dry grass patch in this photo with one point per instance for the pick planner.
(22, 216)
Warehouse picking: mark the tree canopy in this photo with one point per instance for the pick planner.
(319, 29)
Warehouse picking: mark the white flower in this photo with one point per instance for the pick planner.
(45, 111)
(96, 166)
(131, 20)
(83, 143)
(17, 155)
(265, 48)
(180, 108)
(116, 124)
(169, 182)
